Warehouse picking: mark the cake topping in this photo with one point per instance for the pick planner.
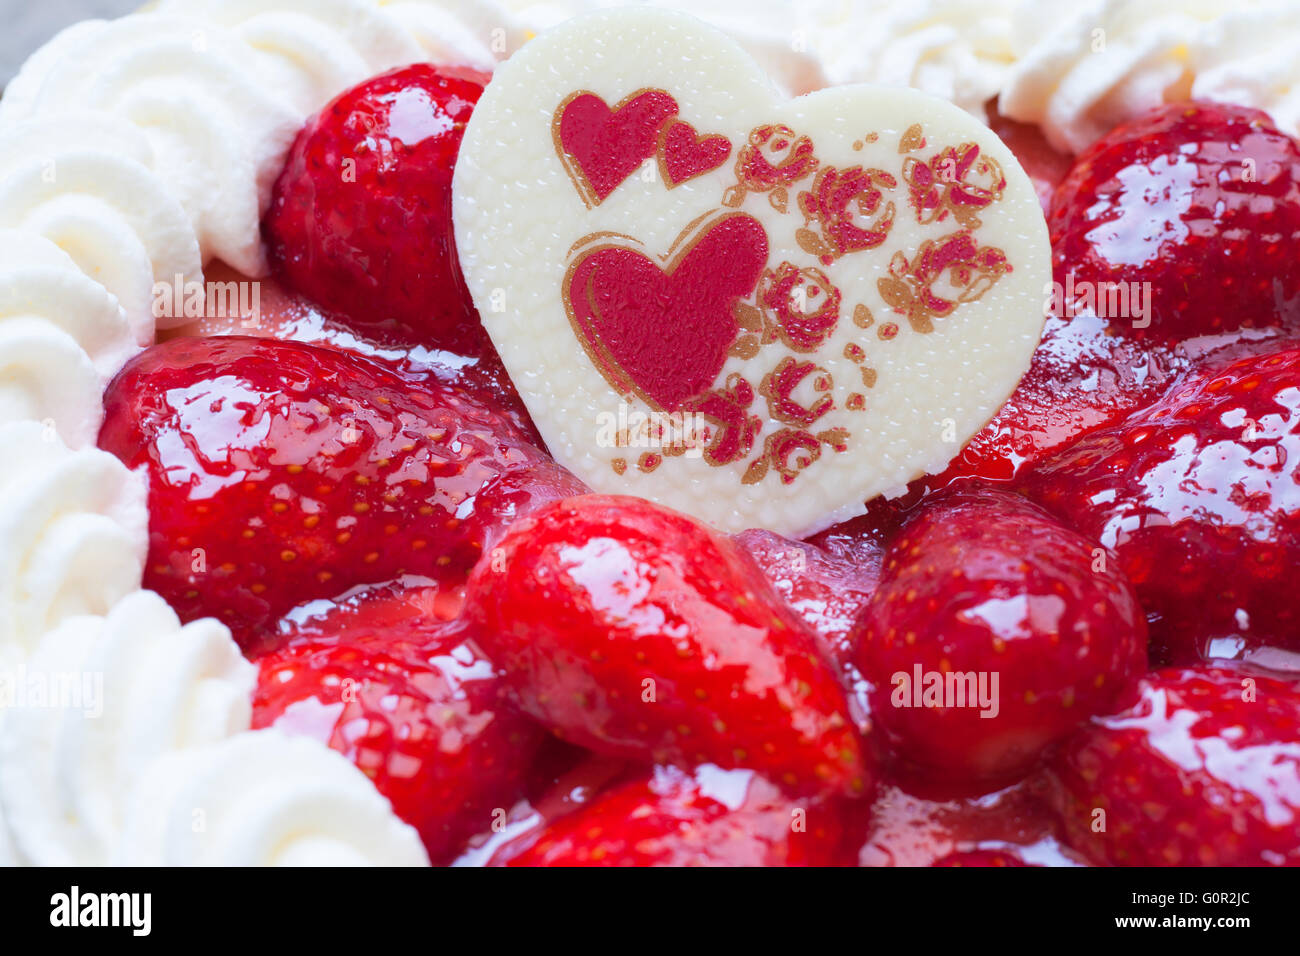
(757, 311)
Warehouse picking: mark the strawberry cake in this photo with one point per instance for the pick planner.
(490, 432)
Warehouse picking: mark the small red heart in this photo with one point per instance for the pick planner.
(684, 154)
(601, 147)
(663, 332)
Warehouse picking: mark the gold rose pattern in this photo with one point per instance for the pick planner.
(796, 308)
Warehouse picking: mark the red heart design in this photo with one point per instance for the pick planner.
(601, 147)
(663, 332)
(683, 154)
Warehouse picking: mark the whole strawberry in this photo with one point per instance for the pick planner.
(636, 631)
(280, 472)
(417, 707)
(1203, 769)
(1192, 209)
(360, 217)
(713, 818)
(993, 633)
(1198, 497)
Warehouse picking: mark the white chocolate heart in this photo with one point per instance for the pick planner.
(892, 255)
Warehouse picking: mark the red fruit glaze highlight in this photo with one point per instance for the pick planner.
(714, 818)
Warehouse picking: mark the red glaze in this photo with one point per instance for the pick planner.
(360, 217)
(862, 540)
(636, 631)
(685, 154)
(983, 583)
(602, 146)
(1202, 202)
(713, 818)
(280, 472)
(562, 780)
(908, 829)
(1202, 770)
(826, 590)
(664, 333)
(416, 706)
(1198, 497)
(982, 858)
(1081, 378)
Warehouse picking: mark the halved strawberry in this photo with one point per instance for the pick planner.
(1198, 497)
(993, 633)
(1202, 769)
(1193, 206)
(636, 631)
(415, 704)
(360, 217)
(711, 818)
(280, 472)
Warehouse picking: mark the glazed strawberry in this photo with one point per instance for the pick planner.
(1203, 769)
(636, 631)
(1195, 204)
(713, 818)
(993, 633)
(280, 472)
(360, 217)
(1198, 496)
(417, 707)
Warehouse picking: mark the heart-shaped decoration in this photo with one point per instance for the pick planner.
(809, 306)
(600, 146)
(627, 310)
(684, 154)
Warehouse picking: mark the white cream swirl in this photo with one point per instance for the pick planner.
(1106, 61)
(73, 532)
(218, 133)
(263, 799)
(476, 33)
(119, 691)
(1251, 56)
(62, 336)
(310, 50)
(958, 50)
(83, 181)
